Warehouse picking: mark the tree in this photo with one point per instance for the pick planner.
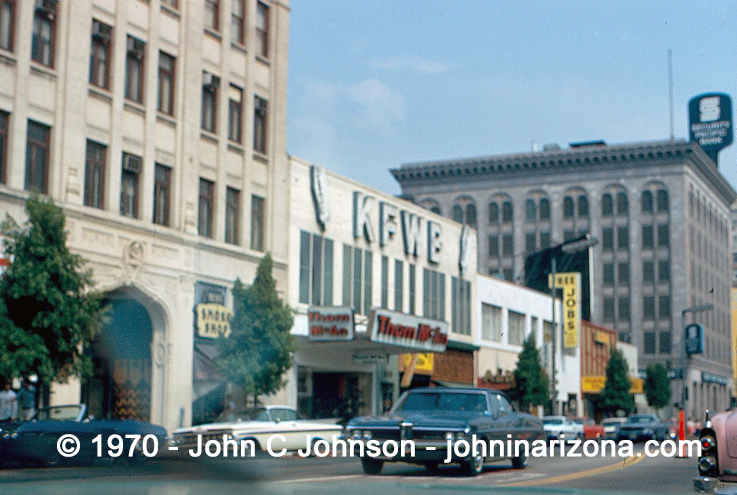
(259, 349)
(657, 386)
(616, 393)
(531, 381)
(47, 312)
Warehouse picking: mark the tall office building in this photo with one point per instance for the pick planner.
(160, 127)
(661, 212)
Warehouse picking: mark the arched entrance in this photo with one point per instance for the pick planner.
(120, 387)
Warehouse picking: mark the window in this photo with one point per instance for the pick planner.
(493, 246)
(315, 269)
(42, 42)
(411, 284)
(262, 29)
(210, 84)
(664, 270)
(235, 109)
(457, 213)
(207, 201)
(171, 3)
(461, 306)
(385, 282)
(4, 118)
(609, 308)
(237, 22)
(583, 206)
(530, 211)
(162, 194)
(258, 217)
(260, 114)
(607, 205)
(665, 343)
(664, 307)
(530, 242)
(357, 279)
(398, 285)
(662, 198)
(544, 240)
(648, 238)
(648, 307)
(648, 271)
(166, 83)
(212, 8)
(129, 184)
(471, 215)
(624, 308)
(623, 273)
(134, 69)
(507, 245)
(433, 294)
(649, 342)
(493, 213)
(232, 216)
(663, 235)
(623, 238)
(544, 209)
(37, 157)
(7, 24)
(100, 54)
(607, 239)
(568, 207)
(507, 212)
(491, 322)
(622, 204)
(647, 202)
(608, 274)
(516, 323)
(94, 178)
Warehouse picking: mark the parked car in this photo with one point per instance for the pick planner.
(611, 426)
(259, 424)
(718, 460)
(36, 440)
(643, 427)
(562, 428)
(433, 416)
(591, 431)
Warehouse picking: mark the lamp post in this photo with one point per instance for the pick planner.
(686, 356)
(581, 243)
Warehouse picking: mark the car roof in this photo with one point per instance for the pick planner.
(457, 390)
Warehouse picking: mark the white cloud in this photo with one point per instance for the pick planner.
(379, 107)
(409, 64)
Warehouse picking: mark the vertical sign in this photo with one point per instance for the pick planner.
(710, 122)
(571, 285)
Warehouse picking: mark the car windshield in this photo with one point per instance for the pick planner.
(553, 421)
(446, 401)
(640, 419)
(611, 421)
(59, 413)
(578, 421)
(253, 414)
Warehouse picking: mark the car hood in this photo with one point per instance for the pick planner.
(638, 426)
(435, 419)
(256, 426)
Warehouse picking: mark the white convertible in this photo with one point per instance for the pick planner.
(260, 424)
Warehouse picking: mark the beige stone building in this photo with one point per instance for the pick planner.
(159, 126)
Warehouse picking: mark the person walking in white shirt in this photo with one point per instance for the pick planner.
(8, 404)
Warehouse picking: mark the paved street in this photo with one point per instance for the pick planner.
(343, 476)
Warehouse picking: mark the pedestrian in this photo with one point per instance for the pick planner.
(27, 400)
(8, 404)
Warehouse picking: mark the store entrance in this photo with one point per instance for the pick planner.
(341, 395)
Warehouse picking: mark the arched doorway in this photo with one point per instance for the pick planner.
(120, 387)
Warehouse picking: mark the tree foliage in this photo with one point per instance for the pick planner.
(616, 393)
(47, 313)
(531, 381)
(259, 349)
(657, 386)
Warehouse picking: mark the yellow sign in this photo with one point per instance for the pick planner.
(595, 384)
(571, 285)
(601, 337)
(424, 364)
(213, 320)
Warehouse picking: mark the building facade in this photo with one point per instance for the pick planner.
(159, 127)
(661, 211)
(372, 276)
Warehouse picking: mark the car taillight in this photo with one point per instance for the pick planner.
(708, 464)
(708, 443)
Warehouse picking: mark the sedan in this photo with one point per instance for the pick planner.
(643, 427)
(278, 427)
(435, 420)
(106, 440)
(562, 428)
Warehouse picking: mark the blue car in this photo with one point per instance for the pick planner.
(37, 441)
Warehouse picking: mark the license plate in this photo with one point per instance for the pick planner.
(632, 436)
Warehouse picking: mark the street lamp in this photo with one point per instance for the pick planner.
(581, 243)
(686, 356)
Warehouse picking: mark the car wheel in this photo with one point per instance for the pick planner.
(473, 466)
(580, 437)
(521, 461)
(371, 466)
(52, 458)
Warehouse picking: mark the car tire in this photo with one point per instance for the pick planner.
(521, 461)
(52, 457)
(473, 466)
(580, 437)
(371, 466)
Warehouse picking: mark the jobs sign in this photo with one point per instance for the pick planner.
(409, 331)
(710, 121)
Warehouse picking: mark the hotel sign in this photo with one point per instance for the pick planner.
(213, 320)
(330, 323)
(571, 285)
(408, 331)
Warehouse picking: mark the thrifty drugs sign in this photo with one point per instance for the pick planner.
(571, 285)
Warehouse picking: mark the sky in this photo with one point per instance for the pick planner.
(375, 84)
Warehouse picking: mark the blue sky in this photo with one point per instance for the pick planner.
(376, 84)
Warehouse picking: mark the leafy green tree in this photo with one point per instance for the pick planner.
(657, 386)
(616, 393)
(259, 349)
(531, 381)
(47, 312)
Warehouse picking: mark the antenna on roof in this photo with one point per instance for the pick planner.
(670, 91)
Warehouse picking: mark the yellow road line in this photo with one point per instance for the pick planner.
(630, 461)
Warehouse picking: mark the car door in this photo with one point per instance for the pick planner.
(286, 424)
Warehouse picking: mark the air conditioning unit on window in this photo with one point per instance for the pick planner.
(132, 163)
(101, 31)
(210, 82)
(135, 47)
(47, 7)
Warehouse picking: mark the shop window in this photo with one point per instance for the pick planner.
(315, 269)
